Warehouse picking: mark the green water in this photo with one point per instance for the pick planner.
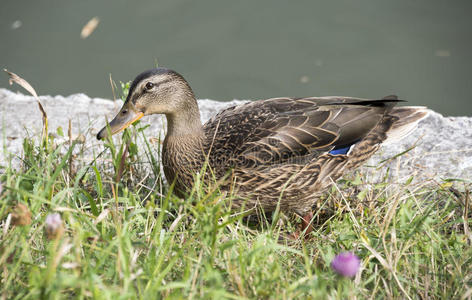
(418, 49)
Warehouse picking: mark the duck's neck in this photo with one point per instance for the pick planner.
(184, 123)
(184, 141)
(182, 153)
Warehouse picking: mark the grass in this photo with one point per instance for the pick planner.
(127, 237)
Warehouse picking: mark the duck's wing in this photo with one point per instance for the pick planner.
(278, 130)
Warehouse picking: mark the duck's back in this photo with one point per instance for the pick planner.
(265, 133)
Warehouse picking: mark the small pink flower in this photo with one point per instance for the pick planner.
(346, 264)
(53, 226)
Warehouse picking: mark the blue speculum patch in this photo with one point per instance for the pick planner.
(344, 150)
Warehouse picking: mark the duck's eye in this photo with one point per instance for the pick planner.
(149, 85)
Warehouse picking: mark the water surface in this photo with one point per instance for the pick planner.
(420, 50)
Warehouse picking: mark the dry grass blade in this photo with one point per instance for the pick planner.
(14, 78)
(121, 168)
(112, 88)
(18, 80)
(101, 216)
(466, 216)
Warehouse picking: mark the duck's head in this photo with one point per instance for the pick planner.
(156, 91)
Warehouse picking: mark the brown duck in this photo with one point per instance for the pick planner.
(279, 151)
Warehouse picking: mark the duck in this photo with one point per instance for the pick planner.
(279, 153)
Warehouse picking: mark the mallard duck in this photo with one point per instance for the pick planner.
(279, 151)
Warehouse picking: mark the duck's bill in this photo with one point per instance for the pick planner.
(122, 120)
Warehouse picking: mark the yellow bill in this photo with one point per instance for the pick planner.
(127, 116)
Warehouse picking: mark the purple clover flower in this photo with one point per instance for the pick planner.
(346, 264)
(53, 225)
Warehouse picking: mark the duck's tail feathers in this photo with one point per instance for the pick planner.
(408, 118)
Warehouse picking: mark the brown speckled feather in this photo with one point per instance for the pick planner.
(277, 149)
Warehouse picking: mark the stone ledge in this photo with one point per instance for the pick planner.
(442, 145)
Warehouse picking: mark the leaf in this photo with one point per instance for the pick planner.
(362, 194)
(89, 28)
(409, 180)
(59, 131)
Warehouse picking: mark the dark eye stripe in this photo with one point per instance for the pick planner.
(136, 93)
(164, 81)
(146, 86)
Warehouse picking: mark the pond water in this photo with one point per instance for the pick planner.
(418, 49)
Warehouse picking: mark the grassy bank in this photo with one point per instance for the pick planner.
(126, 237)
